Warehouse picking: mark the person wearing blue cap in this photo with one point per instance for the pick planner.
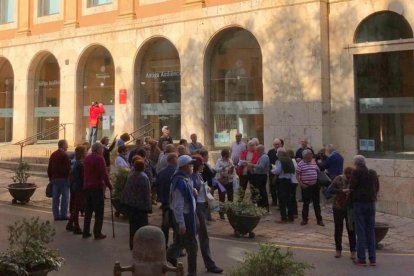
(182, 204)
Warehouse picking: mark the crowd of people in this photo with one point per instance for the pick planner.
(181, 178)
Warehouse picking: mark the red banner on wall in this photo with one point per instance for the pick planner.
(122, 96)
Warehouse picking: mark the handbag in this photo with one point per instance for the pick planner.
(49, 190)
(323, 179)
(213, 204)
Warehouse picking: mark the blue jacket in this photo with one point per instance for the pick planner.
(163, 184)
(182, 200)
(334, 165)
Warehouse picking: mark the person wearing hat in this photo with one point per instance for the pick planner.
(165, 138)
(183, 205)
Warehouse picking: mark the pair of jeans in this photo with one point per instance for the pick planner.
(168, 222)
(339, 217)
(94, 203)
(364, 218)
(311, 193)
(93, 135)
(60, 194)
(286, 204)
(259, 182)
(273, 188)
(203, 239)
(187, 241)
(78, 200)
(137, 219)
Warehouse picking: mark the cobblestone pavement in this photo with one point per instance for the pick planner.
(400, 237)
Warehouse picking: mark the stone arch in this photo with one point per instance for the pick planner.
(95, 81)
(227, 111)
(382, 26)
(6, 99)
(43, 94)
(157, 85)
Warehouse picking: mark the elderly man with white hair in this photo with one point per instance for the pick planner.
(307, 175)
(273, 184)
(364, 186)
(260, 171)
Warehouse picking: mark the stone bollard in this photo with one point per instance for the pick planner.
(149, 255)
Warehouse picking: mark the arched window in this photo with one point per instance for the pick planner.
(383, 26)
(234, 85)
(6, 100)
(96, 82)
(46, 95)
(384, 87)
(158, 86)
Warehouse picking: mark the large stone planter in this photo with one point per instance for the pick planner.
(21, 192)
(43, 272)
(381, 230)
(243, 225)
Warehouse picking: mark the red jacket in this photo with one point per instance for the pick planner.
(95, 174)
(94, 112)
(243, 154)
(59, 165)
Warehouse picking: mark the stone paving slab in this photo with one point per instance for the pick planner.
(400, 237)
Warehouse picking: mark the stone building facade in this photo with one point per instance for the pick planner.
(333, 71)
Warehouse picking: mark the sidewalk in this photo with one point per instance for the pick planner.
(400, 238)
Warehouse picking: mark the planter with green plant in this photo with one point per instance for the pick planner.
(28, 253)
(243, 215)
(119, 180)
(270, 260)
(20, 190)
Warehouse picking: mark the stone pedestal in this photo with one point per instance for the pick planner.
(151, 261)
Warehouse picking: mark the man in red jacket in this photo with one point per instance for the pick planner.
(95, 110)
(58, 172)
(95, 178)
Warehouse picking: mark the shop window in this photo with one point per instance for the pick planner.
(384, 89)
(159, 86)
(6, 101)
(235, 87)
(94, 3)
(99, 86)
(6, 11)
(48, 7)
(47, 96)
(383, 26)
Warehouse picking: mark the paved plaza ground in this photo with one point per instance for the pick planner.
(400, 238)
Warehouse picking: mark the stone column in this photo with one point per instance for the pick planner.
(23, 27)
(71, 14)
(123, 55)
(67, 106)
(126, 9)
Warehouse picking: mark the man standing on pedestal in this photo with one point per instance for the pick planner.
(95, 111)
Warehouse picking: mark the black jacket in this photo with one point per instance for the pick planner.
(364, 185)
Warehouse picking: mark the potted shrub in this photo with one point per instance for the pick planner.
(243, 215)
(20, 190)
(119, 181)
(270, 260)
(28, 253)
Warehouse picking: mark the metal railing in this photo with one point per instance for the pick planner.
(41, 135)
(142, 131)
